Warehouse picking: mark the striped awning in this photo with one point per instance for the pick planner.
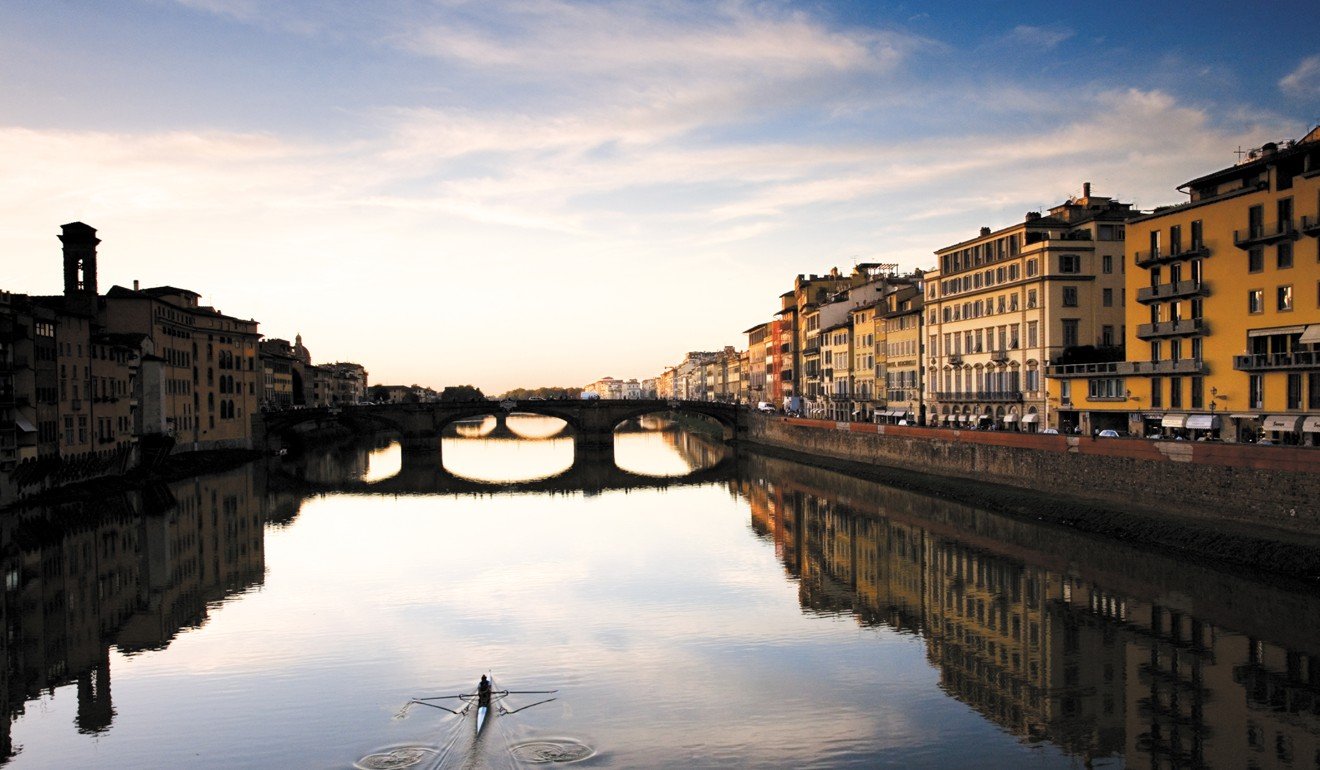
(1286, 423)
(1032, 417)
(1174, 421)
(1311, 424)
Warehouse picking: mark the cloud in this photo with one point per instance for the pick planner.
(1037, 37)
(1304, 81)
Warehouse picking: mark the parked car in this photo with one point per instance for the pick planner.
(764, 407)
(1108, 433)
(1050, 431)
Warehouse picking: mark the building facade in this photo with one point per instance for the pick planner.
(1002, 306)
(1223, 323)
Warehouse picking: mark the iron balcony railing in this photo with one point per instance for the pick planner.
(1311, 226)
(1297, 359)
(978, 395)
(1179, 290)
(1159, 256)
(1125, 368)
(1262, 236)
(1185, 327)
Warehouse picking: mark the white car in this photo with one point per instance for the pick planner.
(1050, 432)
(765, 408)
(1108, 433)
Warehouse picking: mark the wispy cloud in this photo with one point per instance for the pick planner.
(1041, 38)
(1304, 81)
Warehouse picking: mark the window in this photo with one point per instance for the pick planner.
(1294, 390)
(1070, 263)
(1107, 336)
(1175, 350)
(1284, 255)
(1031, 267)
(1070, 332)
(1255, 392)
(1284, 298)
(1107, 263)
(1107, 297)
(1255, 221)
(1313, 391)
(1031, 298)
(1197, 243)
(1198, 392)
(1070, 296)
(1105, 388)
(1256, 301)
(1175, 392)
(1155, 352)
(1033, 335)
(1157, 392)
(1255, 259)
(1175, 239)
(1154, 243)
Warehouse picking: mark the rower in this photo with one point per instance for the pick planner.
(483, 692)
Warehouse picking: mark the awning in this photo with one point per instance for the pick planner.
(1032, 417)
(1311, 424)
(1311, 336)
(1010, 417)
(1245, 416)
(964, 418)
(1277, 330)
(1287, 423)
(1174, 421)
(1203, 422)
(24, 425)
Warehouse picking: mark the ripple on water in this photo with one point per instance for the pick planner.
(408, 756)
(547, 750)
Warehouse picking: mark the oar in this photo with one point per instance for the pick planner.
(524, 708)
(443, 697)
(436, 706)
(529, 692)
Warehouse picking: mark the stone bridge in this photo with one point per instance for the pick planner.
(419, 426)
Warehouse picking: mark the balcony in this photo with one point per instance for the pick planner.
(999, 356)
(1264, 236)
(1126, 368)
(1179, 290)
(1152, 258)
(955, 359)
(1311, 226)
(1186, 327)
(811, 349)
(1258, 362)
(982, 396)
(840, 397)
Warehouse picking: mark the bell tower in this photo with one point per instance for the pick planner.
(79, 266)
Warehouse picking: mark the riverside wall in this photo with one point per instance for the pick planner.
(1234, 485)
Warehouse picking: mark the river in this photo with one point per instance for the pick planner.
(686, 608)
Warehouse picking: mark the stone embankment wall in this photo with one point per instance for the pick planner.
(1240, 484)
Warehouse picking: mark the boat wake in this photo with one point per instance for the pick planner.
(551, 750)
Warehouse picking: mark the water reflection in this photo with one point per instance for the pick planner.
(128, 571)
(1103, 651)
(984, 638)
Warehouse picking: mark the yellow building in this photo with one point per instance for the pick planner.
(1003, 305)
(1223, 322)
(865, 395)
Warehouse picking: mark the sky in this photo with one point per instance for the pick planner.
(548, 192)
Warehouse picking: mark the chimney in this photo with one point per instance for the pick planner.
(985, 231)
(1033, 216)
(1086, 189)
(135, 284)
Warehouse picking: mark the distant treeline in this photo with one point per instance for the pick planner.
(546, 393)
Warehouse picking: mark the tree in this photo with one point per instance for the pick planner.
(462, 393)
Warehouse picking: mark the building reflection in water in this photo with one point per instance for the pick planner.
(128, 571)
(1102, 650)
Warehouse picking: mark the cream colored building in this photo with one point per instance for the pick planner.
(1002, 306)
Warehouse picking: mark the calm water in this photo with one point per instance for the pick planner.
(692, 610)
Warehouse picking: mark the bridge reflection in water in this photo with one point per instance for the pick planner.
(1101, 649)
(471, 461)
